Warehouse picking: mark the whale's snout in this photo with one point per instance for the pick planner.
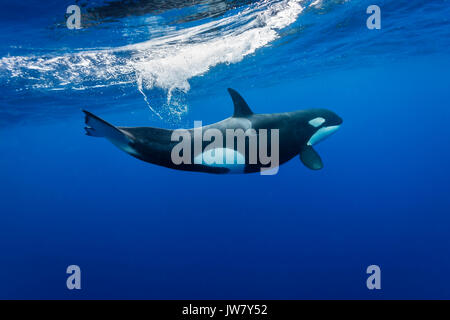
(333, 119)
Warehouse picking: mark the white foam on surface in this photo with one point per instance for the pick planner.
(167, 62)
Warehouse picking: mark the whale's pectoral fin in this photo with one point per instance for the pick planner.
(97, 127)
(311, 158)
(241, 108)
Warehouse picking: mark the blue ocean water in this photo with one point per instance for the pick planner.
(141, 231)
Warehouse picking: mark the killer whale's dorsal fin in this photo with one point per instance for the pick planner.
(241, 108)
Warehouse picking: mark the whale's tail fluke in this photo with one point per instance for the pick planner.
(97, 127)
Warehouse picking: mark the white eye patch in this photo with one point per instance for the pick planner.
(316, 121)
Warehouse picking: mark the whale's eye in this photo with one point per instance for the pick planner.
(316, 121)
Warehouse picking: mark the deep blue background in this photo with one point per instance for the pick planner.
(141, 231)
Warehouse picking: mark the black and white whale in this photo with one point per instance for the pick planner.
(239, 144)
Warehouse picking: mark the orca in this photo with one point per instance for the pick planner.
(202, 148)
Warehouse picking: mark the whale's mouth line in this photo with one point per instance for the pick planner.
(322, 133)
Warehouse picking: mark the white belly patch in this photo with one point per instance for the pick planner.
(222, 158)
